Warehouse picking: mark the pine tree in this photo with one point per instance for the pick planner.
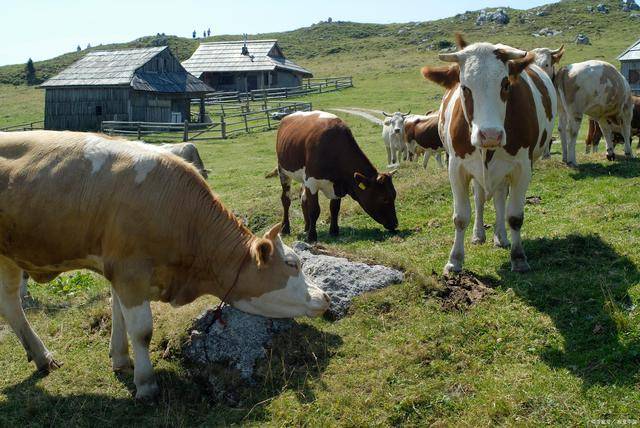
(78, 49)
(30, 72)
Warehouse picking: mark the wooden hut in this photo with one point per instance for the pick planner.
(141, 85)
(630, 66)
(244, 66)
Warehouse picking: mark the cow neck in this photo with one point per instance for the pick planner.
(224, 247)
(360, 163)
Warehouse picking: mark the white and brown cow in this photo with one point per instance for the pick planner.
(393, 137)
(423, 131)
(496, 118)
(318, 149)
(188, 152)
(597, 89)
(145, 220)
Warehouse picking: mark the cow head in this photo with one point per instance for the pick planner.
(396, 121)
(484, 73)
(547, 59)
(377, 196)
(271, 282)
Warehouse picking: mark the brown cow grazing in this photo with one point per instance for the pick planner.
(496, 119)
(595, 134)
(318, 149)
(423, 131)
(145, 220)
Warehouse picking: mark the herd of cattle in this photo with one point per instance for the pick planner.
(148, 221)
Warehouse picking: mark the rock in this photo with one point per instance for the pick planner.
(344, 280)
(602, 8)
(543, 12)
(582, 40)
(499, 17)
(630, 5)
(546, 32)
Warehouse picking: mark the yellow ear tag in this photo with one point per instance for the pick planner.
(362, 186)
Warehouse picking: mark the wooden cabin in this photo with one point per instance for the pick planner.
(244, 66)
(630, 66)
(140, 85)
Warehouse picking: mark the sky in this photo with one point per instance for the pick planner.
(42, 29)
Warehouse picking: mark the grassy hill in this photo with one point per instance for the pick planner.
(559, 345)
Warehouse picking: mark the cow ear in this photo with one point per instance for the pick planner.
(362, 181)
(448, 77)
(517, 66)
(273, 233)
(460, 41)
(261, 251)
(557, 55)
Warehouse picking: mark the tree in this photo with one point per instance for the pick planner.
(194, 34)
(30, 72)
(204, 34)
(88, 45)
(78, 49)
(209, 32)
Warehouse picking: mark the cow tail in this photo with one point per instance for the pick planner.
(272, 174)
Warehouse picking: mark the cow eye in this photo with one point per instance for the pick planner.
(292, 263)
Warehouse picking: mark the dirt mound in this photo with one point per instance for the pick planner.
(460, 291)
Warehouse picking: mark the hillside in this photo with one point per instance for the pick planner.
(570, 17)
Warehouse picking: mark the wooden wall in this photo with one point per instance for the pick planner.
(631, 71)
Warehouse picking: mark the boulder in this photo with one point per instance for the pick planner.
(499, 17)
(602, 8)
(582, 40)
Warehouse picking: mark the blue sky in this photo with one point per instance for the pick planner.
(42, 29)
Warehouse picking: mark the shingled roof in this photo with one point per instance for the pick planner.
(632, 53)
(227, 57)
(120, 68)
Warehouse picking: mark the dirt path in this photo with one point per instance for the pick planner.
(363, 113)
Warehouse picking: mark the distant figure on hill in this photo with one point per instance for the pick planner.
(209, 32)
(194, 34)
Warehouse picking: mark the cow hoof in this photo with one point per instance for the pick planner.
(629, 155)
(478, 239)
(520, 266)
(611, 156)
(286, 230)
(50, 365)
(122, 365)
(147, 392)
(501, 242)
(572, 165)
(312, 238)
(452, 268)
(334, 232)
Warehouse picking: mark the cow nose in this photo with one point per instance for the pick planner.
(397, 131)
(491, 137)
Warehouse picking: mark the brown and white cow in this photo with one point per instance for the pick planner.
(145, 220)
(318, 150)
(496, 119)
(423, 131)
(595, 134)
(188, 152)
(597, 89)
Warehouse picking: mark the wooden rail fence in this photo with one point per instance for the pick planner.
(24, 127)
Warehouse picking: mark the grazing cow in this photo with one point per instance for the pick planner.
(393, 136)
(318, 149)
(595, 134)
(496, 118)
(73, 200)
(188, 152)
(597, 89)
(423, 131)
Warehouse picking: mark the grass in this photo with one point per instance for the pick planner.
(559, 345)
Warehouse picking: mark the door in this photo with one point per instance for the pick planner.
(252, 82)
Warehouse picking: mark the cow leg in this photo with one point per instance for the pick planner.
(480, 197)
(334, 205)
(572, 129)
(425, 160)
(461, 216)
(562, 127)
(439, 159)
(11, 311)
(389, 156)
(500, 238)
(305, 214)
(311, 207)
(626, 133)
(119, 346)
(139, 323)
(515, 217)
(23, 286)
(285, 198)
(607, 133)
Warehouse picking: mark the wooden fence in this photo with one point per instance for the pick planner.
(24, 127)
(231, 122)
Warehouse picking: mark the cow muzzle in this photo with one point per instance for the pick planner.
(318, 303)
(490, 138)
(396, 131)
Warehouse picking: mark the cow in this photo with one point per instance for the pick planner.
(495, 120)
(595, 134)
(318, 150)
(393, 136)
(423, 131)
(597, 89)
(147, 222)
(188, 152)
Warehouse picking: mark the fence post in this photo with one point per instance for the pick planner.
(268, 119)
(139, 133)
(223, 127)
(185, 137)
(246, 123)
(102, 127)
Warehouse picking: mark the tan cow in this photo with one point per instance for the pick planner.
(597, 89)
(145, 220)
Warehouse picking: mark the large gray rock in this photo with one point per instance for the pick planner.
(582, 40)
(219, 349)
(498, 17)
(344, 280)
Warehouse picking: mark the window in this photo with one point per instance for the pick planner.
(98, 110)
(226, 79)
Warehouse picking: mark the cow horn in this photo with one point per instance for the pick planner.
(406, 114)
(392, 173)
(508, 53)
(449, 57)
(386, 114)
(557, 51)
